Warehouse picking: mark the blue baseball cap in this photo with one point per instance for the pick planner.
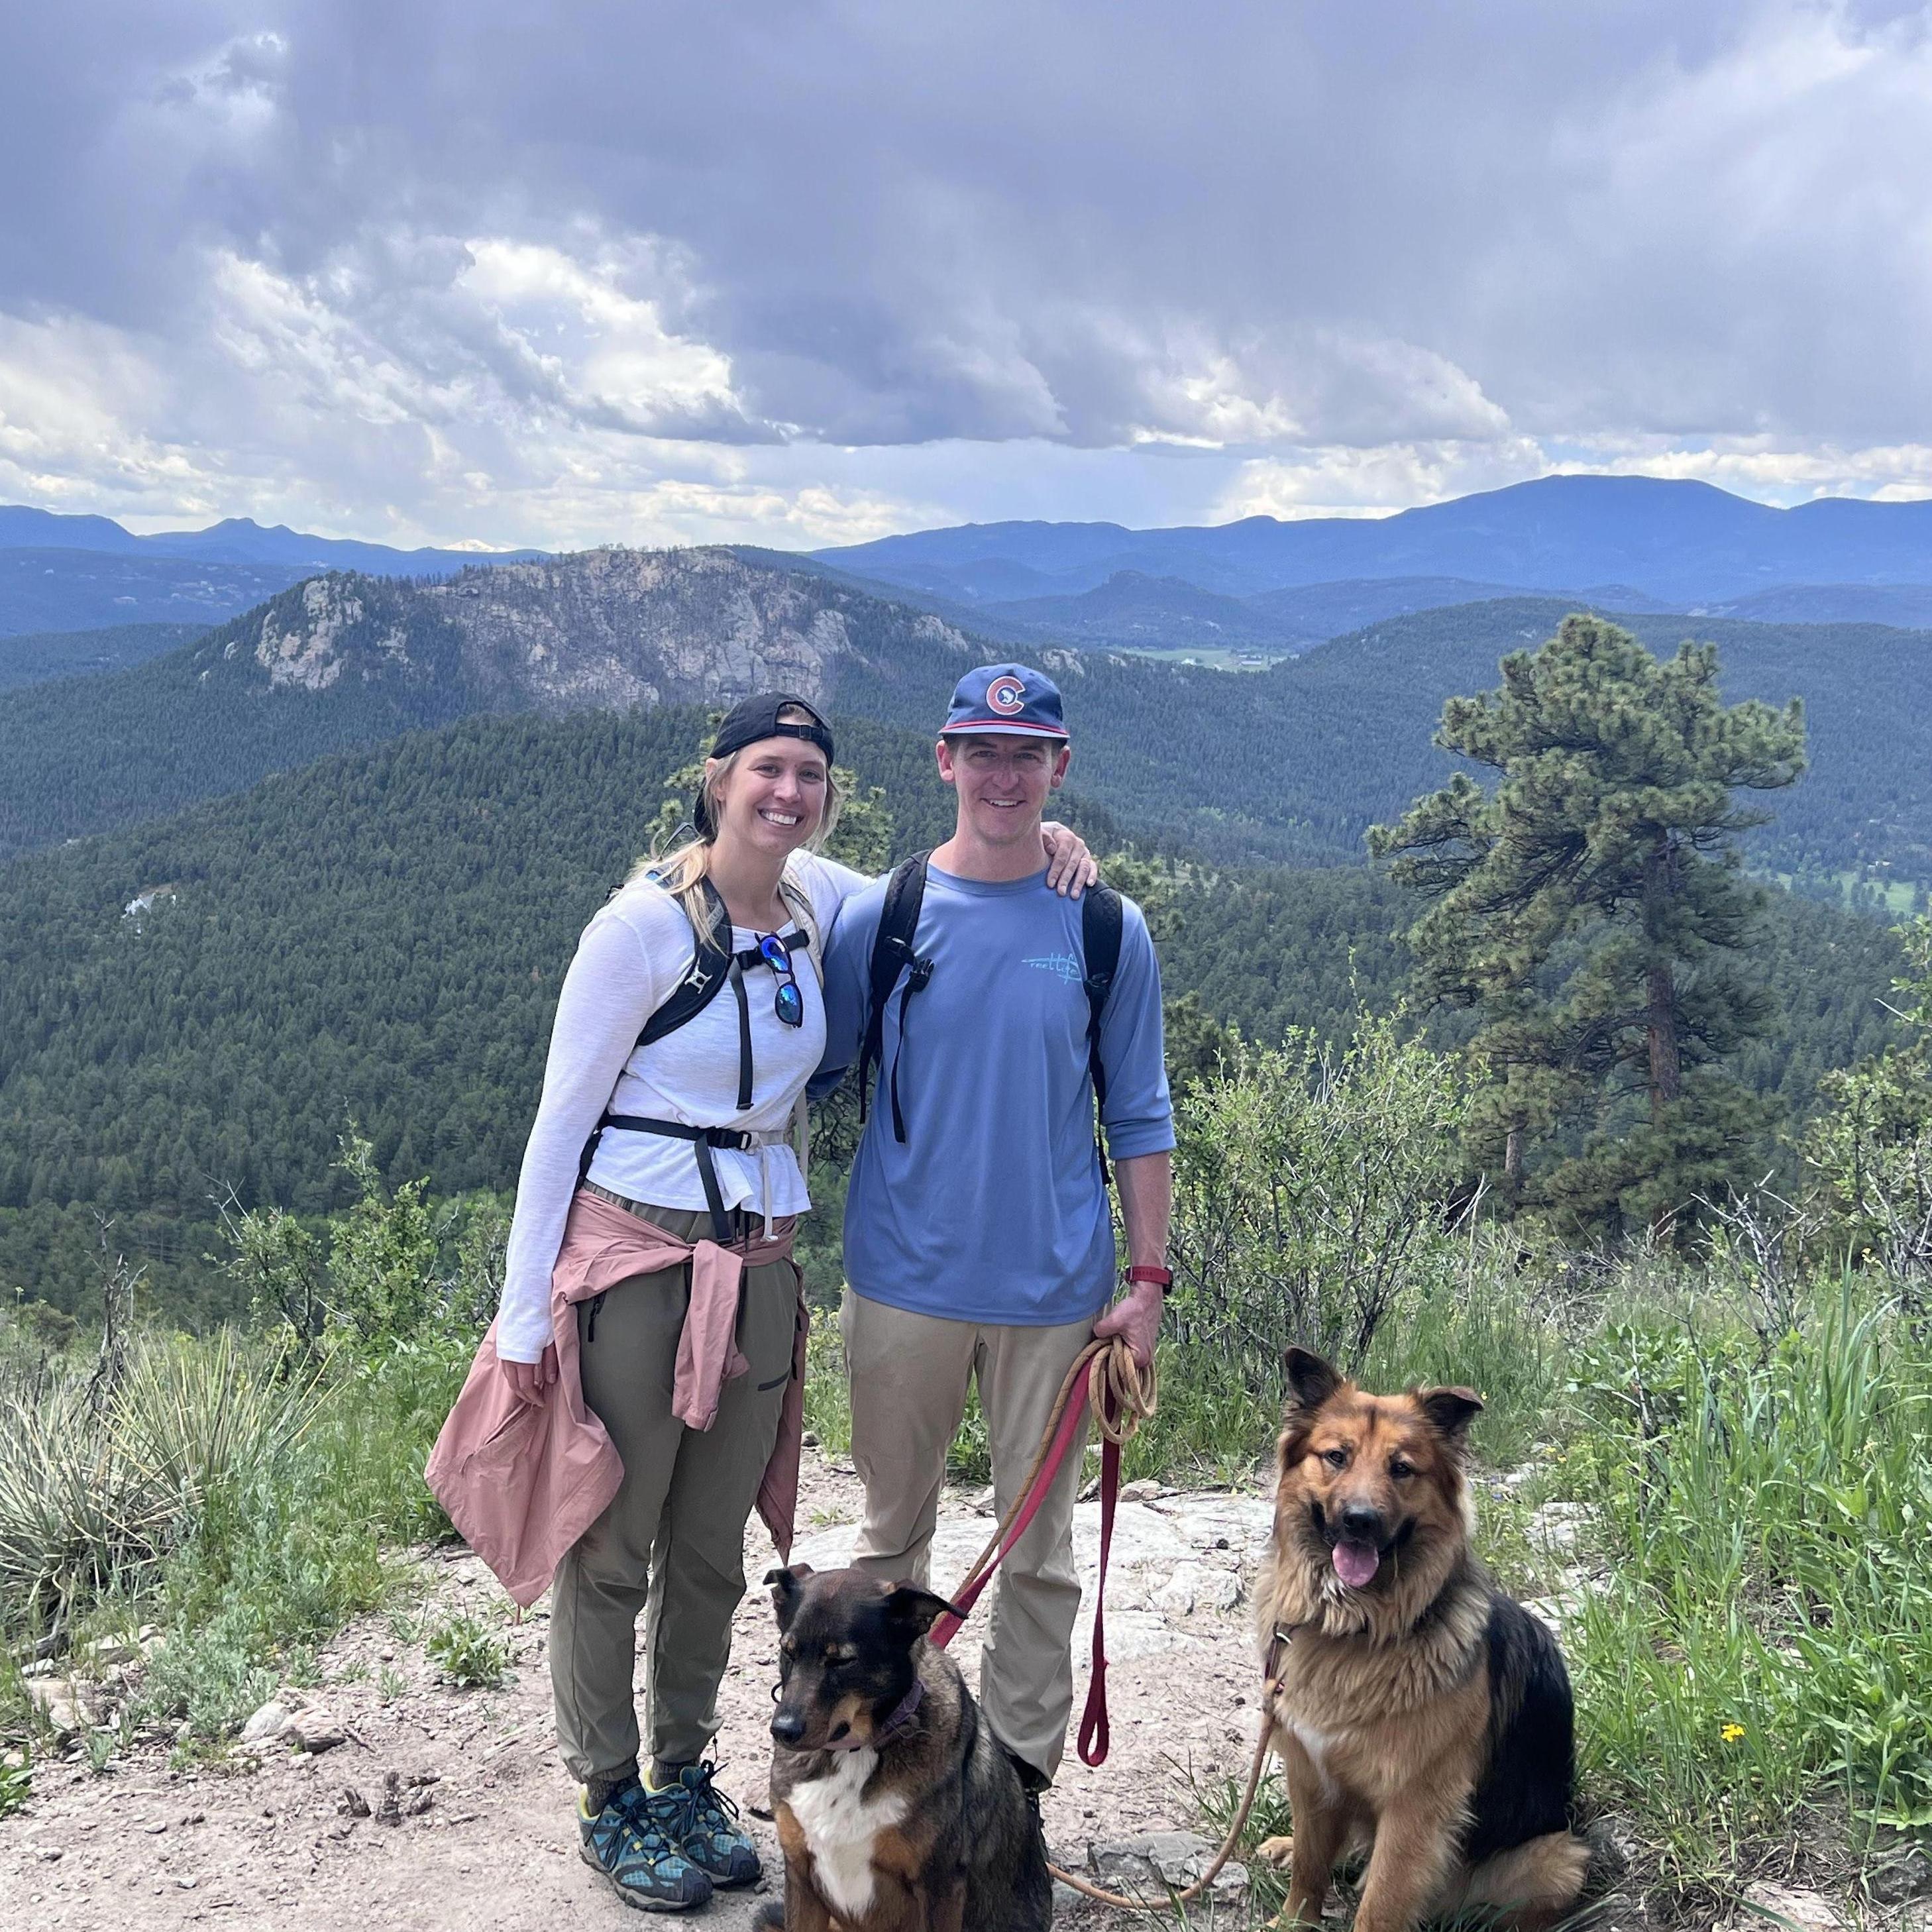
(1005, 699)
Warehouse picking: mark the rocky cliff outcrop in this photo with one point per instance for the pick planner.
(601, 629)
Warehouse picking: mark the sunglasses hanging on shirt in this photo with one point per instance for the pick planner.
(788, 1003)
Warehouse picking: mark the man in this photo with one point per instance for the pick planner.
(979, 1241)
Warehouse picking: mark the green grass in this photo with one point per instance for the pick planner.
(17, 1780)
(1762, 1641)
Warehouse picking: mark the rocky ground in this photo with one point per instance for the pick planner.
(420, 1805)
(478, 1831)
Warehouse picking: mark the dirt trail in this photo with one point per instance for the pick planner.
(264, 1842)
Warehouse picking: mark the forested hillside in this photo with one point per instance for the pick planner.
(39, 655)
(381, 936)
(1288, 766)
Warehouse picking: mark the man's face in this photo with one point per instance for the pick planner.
(1004, 781)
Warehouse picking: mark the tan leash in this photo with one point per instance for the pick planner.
(1123, 1395)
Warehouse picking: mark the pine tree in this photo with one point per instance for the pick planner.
(1590, 907)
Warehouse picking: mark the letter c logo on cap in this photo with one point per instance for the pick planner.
(1006, 695)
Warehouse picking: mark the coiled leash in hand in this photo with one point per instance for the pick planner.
(1122, 1395)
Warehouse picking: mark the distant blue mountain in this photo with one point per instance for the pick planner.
(1676, 543)
(235, 540)
(60, 573)
(1133, 611)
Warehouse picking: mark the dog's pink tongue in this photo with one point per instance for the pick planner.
(1356, 1563)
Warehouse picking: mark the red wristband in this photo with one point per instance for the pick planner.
(1162, 1278)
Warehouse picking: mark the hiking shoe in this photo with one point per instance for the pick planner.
(713, 1838)
(633, 1842)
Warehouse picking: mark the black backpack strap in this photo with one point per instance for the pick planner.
(892, 954)
(1100, 922)
(712, 966)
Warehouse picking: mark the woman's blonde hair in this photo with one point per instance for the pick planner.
(681, 870)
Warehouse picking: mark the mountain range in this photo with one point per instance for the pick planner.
(1259, 585)
(60, 573)
(1632, 540)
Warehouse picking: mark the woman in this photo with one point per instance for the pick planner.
(679, 1054)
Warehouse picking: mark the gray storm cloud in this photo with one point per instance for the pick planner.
(685, 267)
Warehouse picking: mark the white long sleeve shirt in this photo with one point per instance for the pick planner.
(632, 954)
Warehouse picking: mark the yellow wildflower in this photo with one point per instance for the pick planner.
(1732, 1733)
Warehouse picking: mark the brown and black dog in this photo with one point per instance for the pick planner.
(897, 1809)
(1419, 1712)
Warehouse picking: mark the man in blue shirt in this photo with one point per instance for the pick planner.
(979, 1245)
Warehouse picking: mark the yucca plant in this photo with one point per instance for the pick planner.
(196, 1415)
(79, 1519)
(94, 1494)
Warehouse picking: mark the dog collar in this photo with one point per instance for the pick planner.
(902, 1715)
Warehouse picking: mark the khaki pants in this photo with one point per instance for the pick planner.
(672, 1540)
(910, 1374)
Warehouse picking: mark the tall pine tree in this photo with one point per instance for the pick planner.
(1588, 905)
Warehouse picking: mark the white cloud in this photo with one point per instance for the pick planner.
(422, 272)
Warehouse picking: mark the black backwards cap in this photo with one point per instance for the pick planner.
(750, 721)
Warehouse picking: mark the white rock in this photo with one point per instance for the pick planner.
(1157, 1861)
(270, 1721)
(1802, 1911)
(1555, 1527)
(1198, 1586)
(1220, 1590)
(64, 1704)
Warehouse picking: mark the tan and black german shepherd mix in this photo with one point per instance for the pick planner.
(1421, 1714)
(897, 1808)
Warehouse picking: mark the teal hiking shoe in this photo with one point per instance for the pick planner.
(713, 1838)
(633, 1842)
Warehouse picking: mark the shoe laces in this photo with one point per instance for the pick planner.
(709, 1808)
(644, 1820)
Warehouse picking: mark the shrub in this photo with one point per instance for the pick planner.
(1312, 1197)
(468, 1655)
(1871, 1143)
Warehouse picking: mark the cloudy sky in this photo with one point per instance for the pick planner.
(802, 273)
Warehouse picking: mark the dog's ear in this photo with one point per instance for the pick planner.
(1450, 1411)
(913, 1611)
(1311, 1380)
(784, 1589)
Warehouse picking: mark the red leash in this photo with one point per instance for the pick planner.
(1122, 1396)
(1118, 1417)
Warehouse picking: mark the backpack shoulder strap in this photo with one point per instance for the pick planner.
(893, 953)
(798, 903)
(710, 967)
(1100, 921)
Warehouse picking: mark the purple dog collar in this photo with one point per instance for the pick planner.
(900, 1717)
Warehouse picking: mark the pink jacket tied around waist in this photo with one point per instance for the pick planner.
(522, 1481)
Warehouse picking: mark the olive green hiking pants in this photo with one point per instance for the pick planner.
(910, 1377)
(672, 1541)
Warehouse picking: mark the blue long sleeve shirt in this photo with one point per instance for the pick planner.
(993, 1209)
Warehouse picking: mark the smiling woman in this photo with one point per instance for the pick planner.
(652, 1244)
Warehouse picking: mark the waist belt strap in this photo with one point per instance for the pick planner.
(703, 1140)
